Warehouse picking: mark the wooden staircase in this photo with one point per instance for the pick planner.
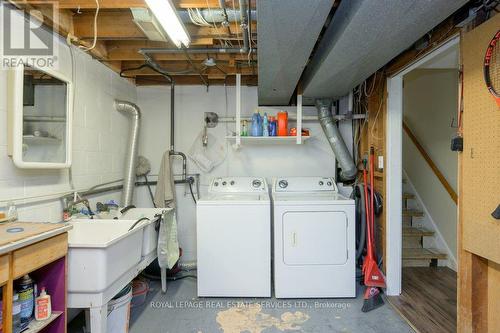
(414, 253)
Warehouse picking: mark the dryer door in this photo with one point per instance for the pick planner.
(315, 238)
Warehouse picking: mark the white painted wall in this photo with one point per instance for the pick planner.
(313, 158)
(100, 137)
(430, 104)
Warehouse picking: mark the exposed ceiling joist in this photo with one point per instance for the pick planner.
(123, 4)
(120, 25)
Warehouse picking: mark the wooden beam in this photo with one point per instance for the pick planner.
(128, 51)
(122, 4)
(120, 25)
(103, 4)
(193, 80)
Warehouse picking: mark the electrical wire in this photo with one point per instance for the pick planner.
(84, 48)
(192, 193)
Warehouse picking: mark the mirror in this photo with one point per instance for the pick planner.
(40, 118)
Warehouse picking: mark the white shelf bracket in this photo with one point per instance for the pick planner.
(299, 119)
(238, 110)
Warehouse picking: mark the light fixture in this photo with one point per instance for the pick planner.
(209, 62)
(167, 16)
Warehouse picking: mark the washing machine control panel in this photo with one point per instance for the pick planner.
(304, 184)
(238, 185)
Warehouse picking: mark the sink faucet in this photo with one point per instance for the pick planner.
(70, 203)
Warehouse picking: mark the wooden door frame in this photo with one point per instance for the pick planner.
(394, 167)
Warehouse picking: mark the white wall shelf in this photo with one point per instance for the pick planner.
(269, 140)
(239, 140)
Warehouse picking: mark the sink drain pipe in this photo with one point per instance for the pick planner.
(129, 179)
(329, 126)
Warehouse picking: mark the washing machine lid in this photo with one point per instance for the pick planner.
(235, 199)
(312, 198)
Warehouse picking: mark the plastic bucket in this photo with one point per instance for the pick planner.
(119, 311)
(140, 289)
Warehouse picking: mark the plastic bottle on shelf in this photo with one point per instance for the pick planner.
(265, 126)
(244, 128)
(25, 290)
(43, 307)
(282, 123)
(272, 126)
(16, 314)
(256, 128)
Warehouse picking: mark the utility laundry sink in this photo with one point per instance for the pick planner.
(100, 251)
(150, 240)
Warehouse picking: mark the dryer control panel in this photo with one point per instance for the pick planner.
(238, 185)
(304, 184)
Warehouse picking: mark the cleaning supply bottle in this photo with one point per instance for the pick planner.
(25, 290)
(16, 314)
(43, 308)
(272, 126)
(282, 123)
(256, 128)
(244, 128)
(265, 126)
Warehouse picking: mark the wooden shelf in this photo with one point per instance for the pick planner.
(269, 140)
(37, 326)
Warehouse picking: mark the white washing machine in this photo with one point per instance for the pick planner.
(234, 238)
(314, 239)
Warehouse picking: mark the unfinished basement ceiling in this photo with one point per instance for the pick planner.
(364, 35)
(287, 31)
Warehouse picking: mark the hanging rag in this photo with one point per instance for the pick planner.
(168, 243)
(165, 194)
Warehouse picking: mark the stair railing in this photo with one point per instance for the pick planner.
(431, 163)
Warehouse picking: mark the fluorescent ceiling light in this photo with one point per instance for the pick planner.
(167, 16)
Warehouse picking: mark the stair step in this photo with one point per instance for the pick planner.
(412, 213)
(416, 232)
(407, 196)
(422, 254)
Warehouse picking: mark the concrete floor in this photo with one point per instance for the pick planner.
(180, 311)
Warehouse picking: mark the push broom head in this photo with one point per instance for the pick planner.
(372, 299)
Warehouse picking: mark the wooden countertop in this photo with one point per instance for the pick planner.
(32, 232)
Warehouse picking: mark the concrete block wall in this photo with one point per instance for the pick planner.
(100, 138)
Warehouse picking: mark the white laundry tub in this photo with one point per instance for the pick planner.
(100, 251)
(150, 240)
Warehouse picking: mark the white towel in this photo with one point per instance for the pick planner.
(168, 243)
(164, 193)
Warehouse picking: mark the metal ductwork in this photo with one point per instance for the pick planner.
(329, 126)
(364, 35)
(129, 178)
(287, 31)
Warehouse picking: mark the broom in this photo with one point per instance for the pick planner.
(374, 279)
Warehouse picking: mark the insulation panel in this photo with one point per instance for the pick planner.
(287, 31)
(364, 35)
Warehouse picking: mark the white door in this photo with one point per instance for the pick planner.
(315, 238)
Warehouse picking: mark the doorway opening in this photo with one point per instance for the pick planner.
(422, 197)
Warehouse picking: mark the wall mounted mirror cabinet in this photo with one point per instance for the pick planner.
(39, 118)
